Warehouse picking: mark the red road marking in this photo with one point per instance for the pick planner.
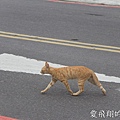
(87, 4)
(7, 118)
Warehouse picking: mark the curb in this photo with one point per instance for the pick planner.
(85, 3)
(7, 118)
(103, 2)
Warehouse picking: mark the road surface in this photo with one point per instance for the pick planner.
(20, 92)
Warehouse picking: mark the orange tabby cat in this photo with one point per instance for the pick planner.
(63, 74)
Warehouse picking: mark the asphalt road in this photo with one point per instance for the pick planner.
(63, 21)
(20, 93)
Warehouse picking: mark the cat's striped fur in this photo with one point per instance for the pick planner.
(63, 74)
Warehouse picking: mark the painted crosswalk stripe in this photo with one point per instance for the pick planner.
(10, 62)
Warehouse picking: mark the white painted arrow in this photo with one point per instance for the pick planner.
(10, 62)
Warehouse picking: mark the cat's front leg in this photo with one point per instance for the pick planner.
(53, 81)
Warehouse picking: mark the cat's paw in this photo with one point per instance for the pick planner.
(74, 94)
(43, 91)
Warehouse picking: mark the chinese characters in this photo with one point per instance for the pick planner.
(104, 113)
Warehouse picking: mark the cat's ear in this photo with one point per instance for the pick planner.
(46, 64)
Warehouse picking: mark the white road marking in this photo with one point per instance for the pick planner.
(10, 62)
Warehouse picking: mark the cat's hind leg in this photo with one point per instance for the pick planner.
(52, 82)
(80, 86)
(65, 82)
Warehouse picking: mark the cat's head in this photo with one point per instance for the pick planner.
(45, 69)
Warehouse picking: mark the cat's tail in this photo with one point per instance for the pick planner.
(94, 80)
